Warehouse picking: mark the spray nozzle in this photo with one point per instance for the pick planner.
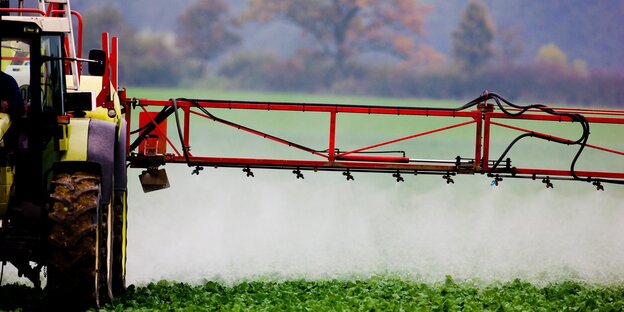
(348, 175)
(398, 176)
(448, 178)
(298, 173)
(248, 171)
(598, 185)
(496, 181)
(546, 181)
(197, 170)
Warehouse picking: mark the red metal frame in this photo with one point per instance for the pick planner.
(110, 47)
(51, 12)
(483, 116)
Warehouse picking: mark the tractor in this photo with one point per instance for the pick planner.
(68, 141)
(63, 180)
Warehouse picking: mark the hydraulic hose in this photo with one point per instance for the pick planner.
(581, 141)
(180, 135)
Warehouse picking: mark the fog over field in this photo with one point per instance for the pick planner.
(222, 225)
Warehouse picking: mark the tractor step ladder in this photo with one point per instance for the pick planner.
(43, 5)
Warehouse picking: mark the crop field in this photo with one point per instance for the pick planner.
(375, 294)
(372, 294)
(222, 241)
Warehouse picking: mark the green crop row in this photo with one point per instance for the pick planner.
(374, 294)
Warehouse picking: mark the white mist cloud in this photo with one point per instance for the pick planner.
(222, 225)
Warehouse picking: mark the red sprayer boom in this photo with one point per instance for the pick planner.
(480, 116)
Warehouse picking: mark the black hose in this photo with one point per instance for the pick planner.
(581, 141)
(181, 136)
(239, 126)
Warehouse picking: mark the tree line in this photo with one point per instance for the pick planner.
(363, 47)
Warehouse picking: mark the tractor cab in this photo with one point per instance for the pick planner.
(34, 59)
(33, 96)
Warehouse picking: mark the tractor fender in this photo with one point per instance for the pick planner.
(101, 149)
(94, 140)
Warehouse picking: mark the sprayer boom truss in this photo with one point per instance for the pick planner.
(151, 145)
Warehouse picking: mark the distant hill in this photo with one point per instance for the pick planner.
(589, 30)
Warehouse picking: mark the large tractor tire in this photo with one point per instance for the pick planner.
(120, 226)
(79, 271)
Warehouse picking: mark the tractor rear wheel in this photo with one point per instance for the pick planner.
(79, 274)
